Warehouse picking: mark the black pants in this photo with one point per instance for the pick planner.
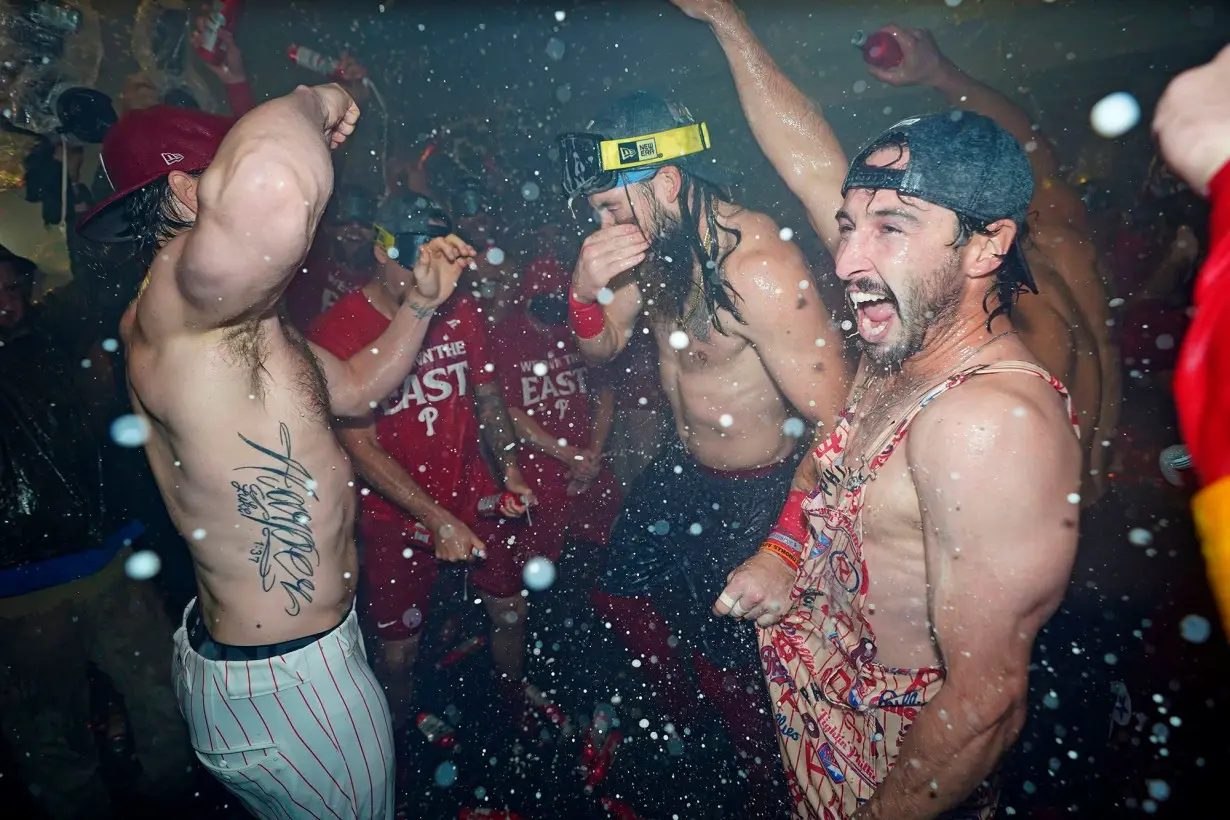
(683, 529)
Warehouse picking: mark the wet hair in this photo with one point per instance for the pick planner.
(152, 213)
(1010, 278)
(701, 195)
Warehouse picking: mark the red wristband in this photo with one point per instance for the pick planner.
(587, 319)
(790, 531)
(1219, 230)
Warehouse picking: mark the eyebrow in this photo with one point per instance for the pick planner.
(883, 212)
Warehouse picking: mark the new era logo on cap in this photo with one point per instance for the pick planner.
(171, 159)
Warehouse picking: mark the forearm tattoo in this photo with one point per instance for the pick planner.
(277, 499)
(495, 424)
(420, 311)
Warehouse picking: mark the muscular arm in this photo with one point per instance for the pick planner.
(374, 372)
(790, 129)
(620, 324)
(258, 206)
(1000, 539)
(384, 474)
(495, 426)
(789, 326)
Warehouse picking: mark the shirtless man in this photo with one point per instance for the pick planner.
(745, 349)
(269, 664)
(1066, 325)
(967, 525)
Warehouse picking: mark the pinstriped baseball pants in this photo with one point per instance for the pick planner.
(306, 734)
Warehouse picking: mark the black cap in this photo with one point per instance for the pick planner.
(643, 113)
(961, 161)
(410, 212)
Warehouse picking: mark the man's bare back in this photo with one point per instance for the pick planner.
(249, 469)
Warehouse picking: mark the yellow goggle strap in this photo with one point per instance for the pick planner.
(654, 149)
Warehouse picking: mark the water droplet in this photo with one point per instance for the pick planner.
(412, 618)
(495, 256)
(110, 345)
(846, 324)
(1110, 658)
(563, 93)
(860, 86)
(539, 574)
(606, 296)
(1140, 537)
(393, 253)
(1164, 342)
(540, 369)
(695, 529)
(555, 48)
(1158, 789)
(660, 528)
(142, 565)
(446, 774)
(559, 16)
(1195, 629)
(820, 343)
(198, 534)
(794, 428)
(952, 4)
(1074, 498)
(786, 234)
(1115, 114)
(130, 431)
(679, 340)
(726, 420)
(1051, 700)
(644, 723)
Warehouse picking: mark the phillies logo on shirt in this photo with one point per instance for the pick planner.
(428, 385)
(564, 376)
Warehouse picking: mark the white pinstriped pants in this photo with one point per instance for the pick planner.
(301, 735)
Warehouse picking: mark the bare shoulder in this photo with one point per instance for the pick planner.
(998, 425)
(763, 268)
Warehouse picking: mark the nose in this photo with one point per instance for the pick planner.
(606, 219)
(851, 260)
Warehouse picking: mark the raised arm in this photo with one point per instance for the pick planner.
(355, 384)
(607, 257)
(790, 128)
(258, 204)
(996, 571)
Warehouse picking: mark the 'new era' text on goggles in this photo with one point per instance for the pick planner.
(593, 164)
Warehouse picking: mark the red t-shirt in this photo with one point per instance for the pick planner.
(318, 285)
(544, 375)
(427, 424)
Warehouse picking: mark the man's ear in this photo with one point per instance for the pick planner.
(984, 253)
(382, 256)
(184, 187)
(669, 183)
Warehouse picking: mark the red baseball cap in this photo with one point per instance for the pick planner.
(144, 146)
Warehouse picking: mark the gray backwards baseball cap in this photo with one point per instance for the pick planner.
(961, 161)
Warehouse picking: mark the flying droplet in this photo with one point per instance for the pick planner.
(412, 618)
(786, 234)
(1158, 789)
(142, 565)
(530, 191)
(679, 340)
(563, 93)
(606, 296)
(660, 528)
(495, 256)
(846, 324)
(695, 529)
(130, 431)
(726, 419)
(1115, 114)
(540, 369)
(1164, 342)
(860, 86)
(539, 574)
(110, 345)
(555, 48)
(446, 774)
(1195, 629)
(198, 534)
(559, 16)
(794, 427)
(1140, 537)
(1074, 498)
(393, 253)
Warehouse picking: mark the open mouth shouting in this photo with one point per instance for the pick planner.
(875, 313)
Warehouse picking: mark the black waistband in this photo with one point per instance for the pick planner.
(209, 649)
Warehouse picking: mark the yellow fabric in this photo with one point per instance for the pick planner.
(1211, 509)
(652, 149)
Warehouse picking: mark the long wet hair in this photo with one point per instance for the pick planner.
(153, 215)
(1010, 279)
(701, 196)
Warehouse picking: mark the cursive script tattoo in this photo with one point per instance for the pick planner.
(420, 311)
(277, 498)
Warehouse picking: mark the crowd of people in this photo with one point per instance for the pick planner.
(844, 560)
